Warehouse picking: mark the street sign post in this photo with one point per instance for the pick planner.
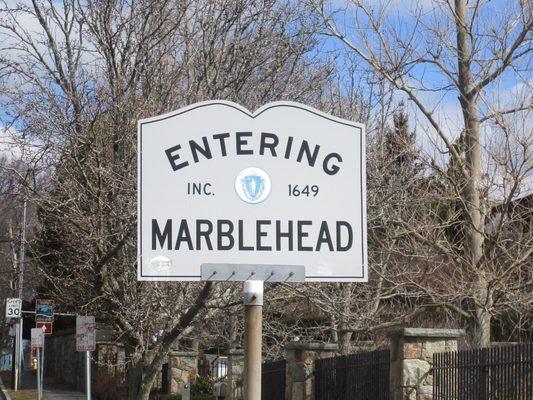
(13, 308)
(277, 195)
(86, 342)
(37, 342)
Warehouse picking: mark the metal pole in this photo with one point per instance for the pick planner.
(88, 374)
(42, 365)
(38, 373)
(253, 325)
(20, 349)
(15, 361)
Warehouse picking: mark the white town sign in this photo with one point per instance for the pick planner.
(283, 186)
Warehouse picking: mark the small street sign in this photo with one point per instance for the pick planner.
(46, 327)
(37, 338)
(44, 310)
(85, 333)
(13, 308)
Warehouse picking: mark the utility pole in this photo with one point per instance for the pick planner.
(19, 349)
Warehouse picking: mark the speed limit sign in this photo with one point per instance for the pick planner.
(13, 308)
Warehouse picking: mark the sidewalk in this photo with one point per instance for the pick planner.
(29, 381)
(52, 394)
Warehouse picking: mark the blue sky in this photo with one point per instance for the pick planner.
(513, 85)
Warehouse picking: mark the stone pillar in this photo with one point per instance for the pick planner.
(235, 374)
(235, 371)
(412, 349)
(183, 368)
(299, 377)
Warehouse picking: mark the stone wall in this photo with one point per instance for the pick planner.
(411, 369)
(299, 376)
(183, 368)
(63, 363)
(108, 370)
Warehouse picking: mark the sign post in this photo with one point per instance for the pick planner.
(37, 342)
(220, 187)
(86, 342)
(44, 317)
(253, 326)
(14, 310)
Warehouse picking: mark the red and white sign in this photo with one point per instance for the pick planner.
(85, 333)
(37, 338)
(46, 327)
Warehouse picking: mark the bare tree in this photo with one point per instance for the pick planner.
(464, 49)
(75, 79)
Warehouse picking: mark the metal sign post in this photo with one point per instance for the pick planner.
(253, 324)
(14, 310)
(253, 309)
(86, 342)
(37, 341)
(186, 391)
(42, 364)
(284, 184)
(88, 373)
(39, 395)
(16, 363)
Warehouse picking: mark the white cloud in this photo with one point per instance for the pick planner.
(14, 147)
(8, 146)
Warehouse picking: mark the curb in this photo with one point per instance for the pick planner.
(3, 392)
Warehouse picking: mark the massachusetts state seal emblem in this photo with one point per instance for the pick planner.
(252, 185)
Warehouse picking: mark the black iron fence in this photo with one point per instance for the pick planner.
(363, 376)
(273, 380)
(498, 373)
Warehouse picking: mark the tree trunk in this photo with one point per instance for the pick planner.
(140, 378)
(133, 380)
(473, 222)
(150, 374)
(483, 317)
(345, 340)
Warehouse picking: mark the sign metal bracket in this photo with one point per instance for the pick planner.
(252, 272)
